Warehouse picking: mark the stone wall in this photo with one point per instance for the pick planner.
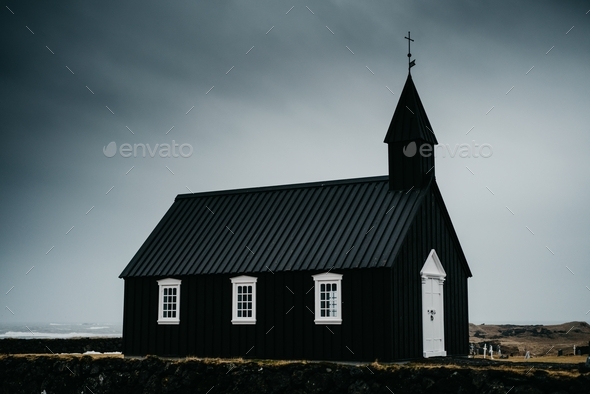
(90, 374)
(49, 346)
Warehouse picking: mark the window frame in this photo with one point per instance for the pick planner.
(168, 283)
(243, 280)
(328, 278)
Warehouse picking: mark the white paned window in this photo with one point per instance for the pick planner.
(169, 301)
(328, 299)
(243, 300)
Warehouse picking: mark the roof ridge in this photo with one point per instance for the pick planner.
(306, 185)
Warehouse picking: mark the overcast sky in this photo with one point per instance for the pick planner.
(280, 92)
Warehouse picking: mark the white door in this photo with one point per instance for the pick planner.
(433, 277)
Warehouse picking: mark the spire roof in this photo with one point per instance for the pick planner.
(409, 122)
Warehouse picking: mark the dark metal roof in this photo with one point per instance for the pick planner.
(354, 223)
(409, 122)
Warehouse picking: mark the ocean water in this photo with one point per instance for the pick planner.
(59, 330)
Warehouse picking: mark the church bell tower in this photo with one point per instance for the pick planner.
(410, 139)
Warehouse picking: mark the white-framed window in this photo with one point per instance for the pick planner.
(328, 299)
(243, 300)
(169, 301)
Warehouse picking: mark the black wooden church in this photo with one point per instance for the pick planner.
(355, 269)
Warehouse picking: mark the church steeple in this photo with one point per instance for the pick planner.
(410, 141)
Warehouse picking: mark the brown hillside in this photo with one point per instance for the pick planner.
(538, 339)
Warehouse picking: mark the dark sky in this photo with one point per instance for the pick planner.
(276, 92)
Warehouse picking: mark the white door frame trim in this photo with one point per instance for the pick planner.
(433, 269)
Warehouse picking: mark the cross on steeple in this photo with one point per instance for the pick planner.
(413, 62)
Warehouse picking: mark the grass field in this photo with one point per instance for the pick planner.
(542, 359)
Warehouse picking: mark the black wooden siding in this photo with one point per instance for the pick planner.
(431, 229)
(285, 327)
(407, 173)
